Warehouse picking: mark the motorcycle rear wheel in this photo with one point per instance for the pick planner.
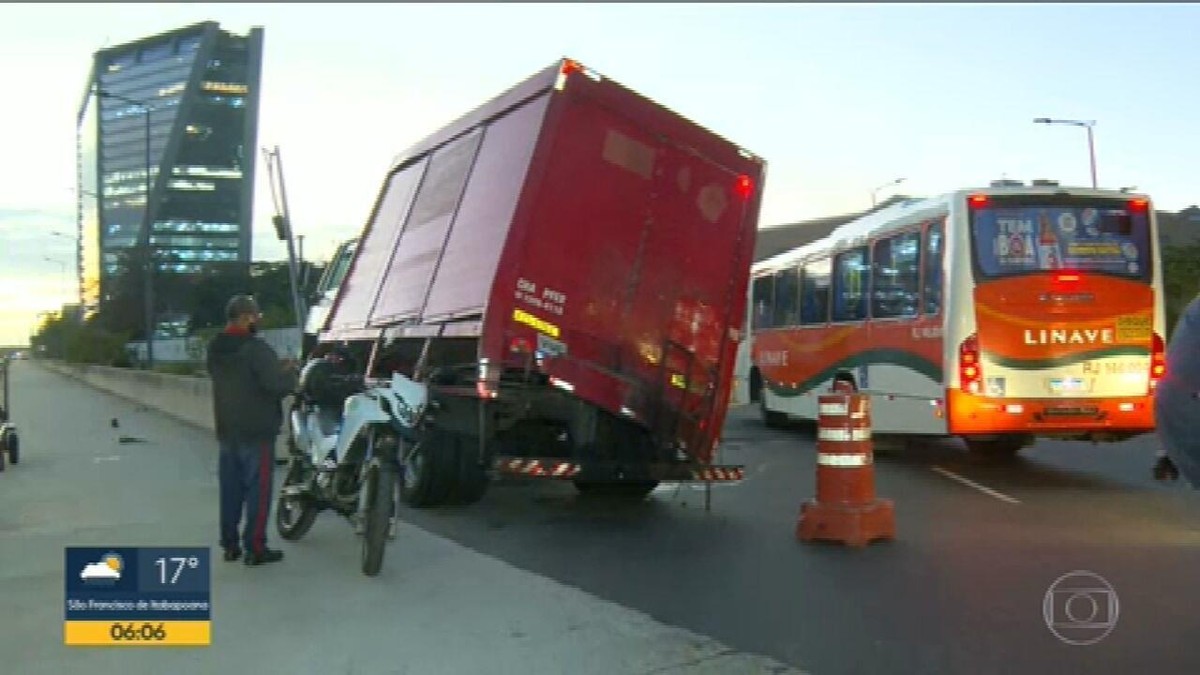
(380, 485)
(294, 514)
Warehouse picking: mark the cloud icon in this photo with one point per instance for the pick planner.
(107, 569)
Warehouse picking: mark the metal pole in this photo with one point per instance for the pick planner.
(291, 243)
(149, 277)
(1092, 155)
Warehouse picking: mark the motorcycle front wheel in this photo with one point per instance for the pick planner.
(380, 506)
(295, 513)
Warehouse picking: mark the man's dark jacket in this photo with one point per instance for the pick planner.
(248, 386)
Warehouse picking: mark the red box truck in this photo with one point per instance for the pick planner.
(566, 266)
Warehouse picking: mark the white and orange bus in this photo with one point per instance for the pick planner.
(998, 315)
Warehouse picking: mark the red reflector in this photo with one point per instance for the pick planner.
(744, 186)
(570, 66)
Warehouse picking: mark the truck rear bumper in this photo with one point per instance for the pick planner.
(546, 467)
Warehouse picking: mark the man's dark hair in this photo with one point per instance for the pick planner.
(240, 305)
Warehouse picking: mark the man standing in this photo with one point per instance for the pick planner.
(248, 384)
(1177, 401)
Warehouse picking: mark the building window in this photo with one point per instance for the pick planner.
(224, 87)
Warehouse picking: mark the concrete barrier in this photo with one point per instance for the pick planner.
(185, 398)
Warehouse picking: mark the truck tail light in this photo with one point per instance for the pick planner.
(744, 186)
(570, 66)
(1158, 360)
(970, 371)
(519, 345)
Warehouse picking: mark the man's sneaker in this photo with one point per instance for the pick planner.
(232, 554)
(267, 555)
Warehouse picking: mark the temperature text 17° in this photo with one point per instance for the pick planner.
(179, 563)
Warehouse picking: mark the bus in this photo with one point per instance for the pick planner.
(998, 315)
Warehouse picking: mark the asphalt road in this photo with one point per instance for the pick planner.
(961, 590)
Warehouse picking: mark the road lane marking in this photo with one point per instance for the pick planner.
(970, 483)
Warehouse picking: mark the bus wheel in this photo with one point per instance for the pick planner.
(773, 420)
(998, 448)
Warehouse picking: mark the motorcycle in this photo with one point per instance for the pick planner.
(348, 459)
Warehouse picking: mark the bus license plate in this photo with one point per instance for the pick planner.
(1062, 385)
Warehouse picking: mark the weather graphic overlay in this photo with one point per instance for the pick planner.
(123, 596)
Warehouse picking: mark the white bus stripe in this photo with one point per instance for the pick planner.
(970, 483)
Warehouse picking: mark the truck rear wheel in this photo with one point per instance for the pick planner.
(470, 480)
(430, 469)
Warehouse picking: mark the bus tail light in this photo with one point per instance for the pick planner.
(1158, 360)
(970, 371)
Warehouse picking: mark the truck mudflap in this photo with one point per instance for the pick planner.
(564, 469)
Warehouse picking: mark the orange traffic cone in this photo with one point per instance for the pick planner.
(845, 508)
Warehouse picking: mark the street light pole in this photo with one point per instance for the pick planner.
(148, 291)
(875, 192)
(1092, 154)
(78, 295)
(63, 270)
(1088, 124)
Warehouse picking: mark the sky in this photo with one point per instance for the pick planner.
(839, 99)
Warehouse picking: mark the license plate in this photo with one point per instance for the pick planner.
(1062, 385)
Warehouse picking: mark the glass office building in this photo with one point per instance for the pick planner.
(173, 116)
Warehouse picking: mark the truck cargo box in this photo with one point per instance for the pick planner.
(575, 224)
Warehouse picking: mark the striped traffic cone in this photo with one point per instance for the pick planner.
(845, 508)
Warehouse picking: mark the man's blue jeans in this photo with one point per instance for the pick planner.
(246, 473)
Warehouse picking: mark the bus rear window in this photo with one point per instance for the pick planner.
(1020, 239)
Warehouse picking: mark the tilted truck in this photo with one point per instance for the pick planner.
(566, 266)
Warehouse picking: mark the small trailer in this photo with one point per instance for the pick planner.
(566, 266)
(10, 442)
